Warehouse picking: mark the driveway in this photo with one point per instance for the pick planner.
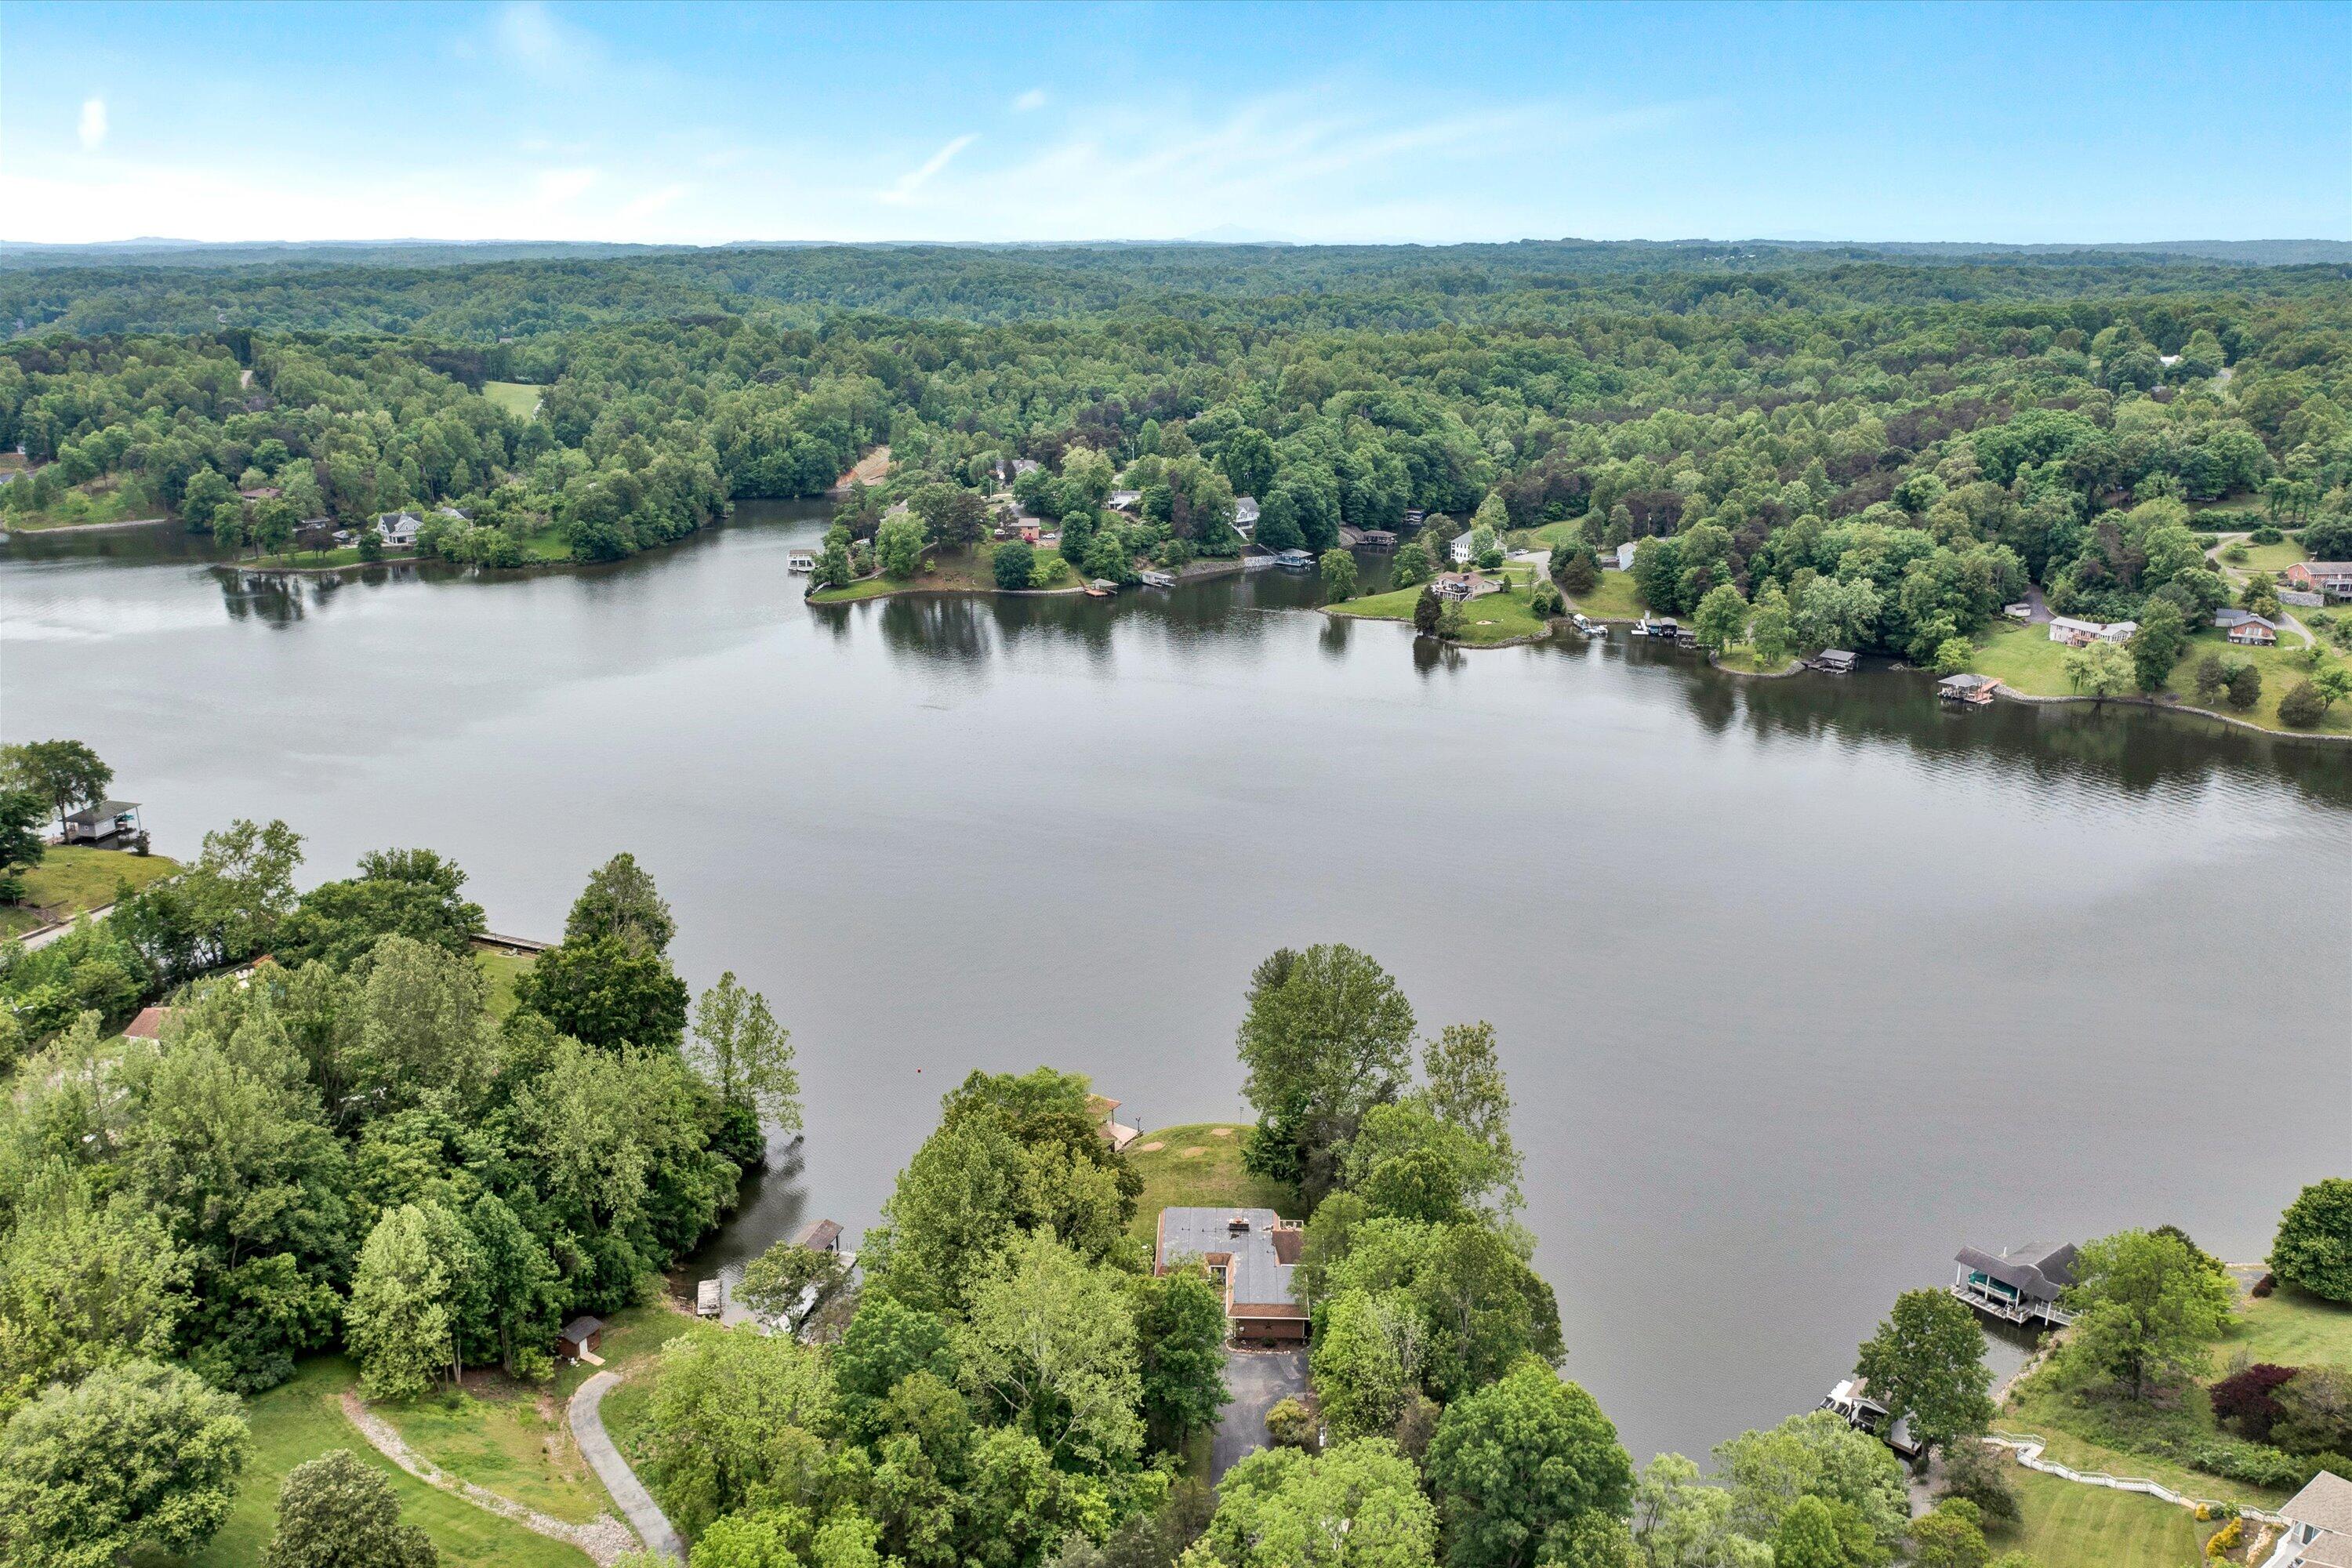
(1258, 1381)
(645, 1515)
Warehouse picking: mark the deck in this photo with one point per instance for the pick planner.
(2020, 1312)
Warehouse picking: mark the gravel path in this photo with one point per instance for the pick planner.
(596, 1446)
(604, 1539)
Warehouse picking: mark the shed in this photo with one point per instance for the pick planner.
(2021, 611)
(819, 1236)
(107, 820)
(580, 1337)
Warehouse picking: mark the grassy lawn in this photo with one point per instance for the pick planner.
(340, 555)
(2037, 1407)
(72, 878)
(101, 500)
(510, 1443)
(1497, 617)
(2271, 558)
(520, 398)
(2290, 1328)
(2062, 1524)
(1743, 659)
(300, 1420)
(1613, 598)
(546, 544)
(2025, 658)
(1210, 1176)
(948, 571)
(631, 1348)
(502, 970)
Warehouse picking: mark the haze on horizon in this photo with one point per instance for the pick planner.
(666, 124)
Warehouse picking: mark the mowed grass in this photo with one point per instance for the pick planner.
(501, 969)
(1613, 598)
(2289, 1328)
(520, 398)
(948, 572)
(1497, 617)
(1744, 660)
(2274, 558)
(2065, 1524)
(507, 1444)
(1212, 1178)
(632, 1347)
(2026, 659)
(72, 878)
(300, 1420)
(2034, 1408)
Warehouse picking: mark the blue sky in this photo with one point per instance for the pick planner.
(708, 123)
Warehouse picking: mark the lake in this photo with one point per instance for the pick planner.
(1801, 983)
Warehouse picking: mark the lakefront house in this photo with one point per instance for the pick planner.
(1250, 1254)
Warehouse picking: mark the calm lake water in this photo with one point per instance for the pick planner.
(1801, 983)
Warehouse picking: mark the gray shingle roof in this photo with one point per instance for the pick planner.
(2326, 1502)
(2038, 1270)
(1257, 1276)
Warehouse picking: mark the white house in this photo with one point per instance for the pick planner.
(2065, 629)
(1246, 515)
(1625, 556)
(2318, 1531)
(1125, 501)
(398, 526)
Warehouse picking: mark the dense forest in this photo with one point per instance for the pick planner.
(1893, 443)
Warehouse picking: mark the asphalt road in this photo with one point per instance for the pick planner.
(1258, 1381)
(645, 1515)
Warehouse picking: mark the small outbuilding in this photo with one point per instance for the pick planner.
(580, 1337)
(1977, 690)
(107, 820)
(2021, 1285)
(819, 1236)
(1835, 662)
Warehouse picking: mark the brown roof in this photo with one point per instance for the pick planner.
(1268, 1310)
(2326, 1502)
(148, 1025)
(817, 1235)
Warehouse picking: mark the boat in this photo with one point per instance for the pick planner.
(801, 561)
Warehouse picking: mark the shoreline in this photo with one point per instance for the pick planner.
(84, 527)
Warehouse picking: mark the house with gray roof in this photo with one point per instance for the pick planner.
(2318, 1533)
(2019, 1285)
(1250, 1254)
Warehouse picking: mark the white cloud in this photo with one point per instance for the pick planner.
(1033, 99)
(93, 124)
(557, 187)
(534, 37)
(914, 179)
(651, 203)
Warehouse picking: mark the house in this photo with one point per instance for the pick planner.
(1625, 556)
(261, 492)
(2021, 611)
(2076, 634)
(107, 820)
(1463, 585)
(1104, 1110)
(453, 514)
(2021, 1285)
(1125, 501)
(819, 1236)
(1834, 661)
(1245, 514)
(1031, 530)
(1461, 547)
(398, 526)
(2332, 578)
(2246, 628)
(1851, 1399)
(1974, 689)
(148, 1025)
(1250, 1254)
(2318, 1531)
(577, 1339)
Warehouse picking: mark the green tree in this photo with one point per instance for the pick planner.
(1816, 1455)
(2156, 647)
(886, 1341)
(422, 1029)
(2302, 707)
(620, 903)
(730, 1416)
(745, 1054)
(1338, 569)
(1325, 1034)
(1355, 1505)
(1721, 619)
(2314, 1245)
(65, 774)
(1179, 1330)
(1949, 1535)
(1366, 1360)
(774, 1282)
(22, 814)
(131, 1455)
(83, 1284)
(1808, 1538)
(2098, 669)
(1953, 654)
(1928, 1362)
(336, 1512)
(2212, 675)
(1681, 1523)
(1771, 629)
(1412, 565)
(2145, 1308)
(398, 1324)
(1519, 1466)
(1050, 1341)
(412, 892)
(2243, 681)
(898, 546)
(1014, 563)
(1428, 611)
(607, 992)
(2333, 684)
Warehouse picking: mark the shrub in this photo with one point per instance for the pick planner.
(2266, 534)
(1980, 1473)
(1012, 564)
(2226, 1539)
(2244, 1399)
(1290, 1425)
(2316, 1412)
(2302, 706)
(2244, 683)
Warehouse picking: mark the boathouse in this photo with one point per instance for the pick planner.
(1104, 1110)
(819, 1236)
(107, 820)
(1835, 662)
(1250, 1254)
(1974, 689)
(2021, 1285)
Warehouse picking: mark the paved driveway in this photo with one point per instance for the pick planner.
(646, 1516)
(1258, 1381)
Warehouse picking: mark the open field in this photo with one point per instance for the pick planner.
(2027, 660)
(1497, 617)
(2062, 1524)
(501, 971)
(1613, 598)
(101, 500)
(300, 1420)
(2290, 1328)
(2271, 558)
(512, 1441)
(520, 398)
(1211, 1177)
(72, 878)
